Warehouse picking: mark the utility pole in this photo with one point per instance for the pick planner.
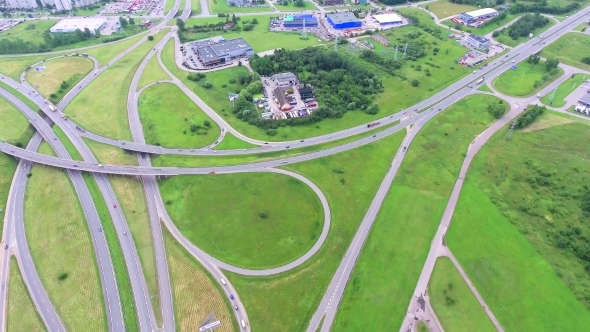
(336, 44)
(553, 96)
(405, 50)
(508, 136)
(395, 54)
(304, 31)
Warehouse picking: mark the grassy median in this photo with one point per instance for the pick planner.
(385, 275)
(455, 306)
(519, 222)
(570, 49)
(21, 314)
(57, 235)
(152, 73)
(195, 293)
(526, 79)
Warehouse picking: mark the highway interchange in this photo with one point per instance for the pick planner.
(412, 120)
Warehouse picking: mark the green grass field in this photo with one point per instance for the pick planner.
(21, 314)
(422, 327)
(7, 168)
(19, 132)
(292, 8)
(259, 38)
(260, 220)
(31, 31)
(57, 235)
(581, 27)
(349, 180)
(186, 161)
(108, 154)
(70, 70)
(445, 8)
(569, 49)
(230, 142)
(506, 40)
(524, 81)
(70, 148)
(168, 117)
(195, 293)
(390, 263)
(564, 90)
(152, 73)
(101, 107)
(506, 225)
(484, 87)
(221, 6)
(123, 283)
(14, 66)
(452, 301)
(195, 7)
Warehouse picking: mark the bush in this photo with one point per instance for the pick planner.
(271, 132)
(263, 214)
(150, 37)
(232, 81)
(207, 85)
(62, 276)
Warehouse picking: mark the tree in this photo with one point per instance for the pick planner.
(551, 64)
(586, 60)
(234, 19)
(207, 85)
(415, 83)
(131, 21)
(299, 3)
(123, 22)
(193, 127)
(150, 37)
(180, 24)
(254, 21)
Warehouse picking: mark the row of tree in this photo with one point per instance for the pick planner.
(543, 7)
(529, 116)
(525, 25)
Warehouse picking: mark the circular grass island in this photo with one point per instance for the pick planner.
(250, 220)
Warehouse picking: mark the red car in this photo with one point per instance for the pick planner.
(115, 206)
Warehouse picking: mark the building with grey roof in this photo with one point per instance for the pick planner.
(585, 100)
(222, 52)
(283, 79)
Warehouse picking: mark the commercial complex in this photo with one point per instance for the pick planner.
(480, 14)
(478, 42)
(211, 53)
(585, 100)
(284, 79)
(344, 20)
(387, 19)
(297, 21)
(69, 25)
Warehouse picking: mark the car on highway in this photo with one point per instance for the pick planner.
(100, 229)
(283, 162)
(231, 296)
(115, 206)
(236, 307)
(222, 281)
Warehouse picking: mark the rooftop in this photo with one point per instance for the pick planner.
(479, 38)
(481, 12)
(284, 77)
(388, 18)
(79, 23)
(585, 99)
(339, 18)
(226, 47)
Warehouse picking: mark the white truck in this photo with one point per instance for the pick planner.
(52, 108)
(479, 81)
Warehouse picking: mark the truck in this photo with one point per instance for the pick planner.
(85, 54)
(52, 108)
(479, 81)
(243, 323)
(373, 124)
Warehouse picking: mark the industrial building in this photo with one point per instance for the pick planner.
(285, 79)
(478, 42)
(333, 2)
(297, 21)
(211, 53)
(585, 100)
(388, 19)
(480, 14)
(70, 25)
(305, 93)
(238, 3)
(344, 20)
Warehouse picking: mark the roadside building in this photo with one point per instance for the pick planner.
(297, 21)
(305, 93)
(238, 3)
(344, 21)
(478, 42)
(333, 2)
(388, 19)
(480, 14)
(282, 98)
(70, 25)
(285, 79)
(585, 100)
(210, 53)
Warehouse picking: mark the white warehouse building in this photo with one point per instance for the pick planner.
(72, 24)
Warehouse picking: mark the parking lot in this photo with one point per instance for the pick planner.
(147, 7)
(298, 107)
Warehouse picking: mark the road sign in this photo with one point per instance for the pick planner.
(209, 326)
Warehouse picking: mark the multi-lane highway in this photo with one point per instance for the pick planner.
(328, 306)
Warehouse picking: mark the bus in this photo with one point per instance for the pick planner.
(479, 81)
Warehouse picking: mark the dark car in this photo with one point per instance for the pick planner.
(231, 297)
